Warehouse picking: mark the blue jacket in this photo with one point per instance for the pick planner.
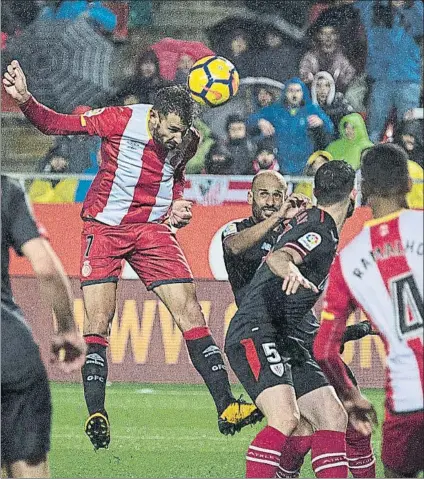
(84, 185)
(70, 10)
(393, 53)
(294, 139)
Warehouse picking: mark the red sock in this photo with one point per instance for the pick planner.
(292, 455)
(263, 455)
(329, 454)
(360, 455)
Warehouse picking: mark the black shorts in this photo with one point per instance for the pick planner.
(307, 377)
(25, 422)
(257, 363)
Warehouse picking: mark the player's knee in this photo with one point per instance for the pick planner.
(285, 423)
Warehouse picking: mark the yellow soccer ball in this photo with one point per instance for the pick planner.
(213, 81)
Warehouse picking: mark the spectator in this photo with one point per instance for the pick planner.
(84, 185)
(197, 163)
(393, 29)
(327, 55)
(265, 158)
(218, 161)
(317, 159)
(240, 147)
(410, 137)
(345, 17)
(185, 62)
(278, 59)
(145, 82)
(265, 95)
(300, 127)
(93, 11)
(239, 53)
(353, 140)
(54, 191)
(324, 94)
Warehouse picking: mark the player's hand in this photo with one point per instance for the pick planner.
(68, 350)
(14, 83)
(362, 414)
(180, 213)
(294, 279)
(314, 121)
(266, 127)
(297, 202)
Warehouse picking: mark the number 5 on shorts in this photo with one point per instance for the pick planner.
(274, 358)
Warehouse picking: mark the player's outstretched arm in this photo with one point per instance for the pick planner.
(46, 120)
(68, 345)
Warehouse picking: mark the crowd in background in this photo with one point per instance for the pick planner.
(355, 80)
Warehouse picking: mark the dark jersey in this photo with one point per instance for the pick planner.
(18, 227)
(313, 234)
(242, 268)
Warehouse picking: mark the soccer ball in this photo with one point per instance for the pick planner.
(213, 81)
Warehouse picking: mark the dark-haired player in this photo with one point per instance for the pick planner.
(134, 200)
(25, 393)
(270, 311)
(245, 243)
(381, 271)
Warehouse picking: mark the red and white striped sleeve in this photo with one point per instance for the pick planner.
(338, 304)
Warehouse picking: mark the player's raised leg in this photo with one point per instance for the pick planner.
(100, 305)
(324, 411)
(182, 303)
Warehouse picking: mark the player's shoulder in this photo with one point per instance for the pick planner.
(236, 226)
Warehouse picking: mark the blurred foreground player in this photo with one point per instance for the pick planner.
(262, 344)
(245, 244)
(381, 271)
(25, 393)
(130, 207)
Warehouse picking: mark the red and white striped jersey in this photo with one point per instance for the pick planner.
(138, 178)
(381, 272)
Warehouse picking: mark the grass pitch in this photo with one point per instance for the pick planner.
(157, 431)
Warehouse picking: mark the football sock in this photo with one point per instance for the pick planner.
(264, 453)
(292, 455)
(329, 454)
(94, 373)
(360, 455)
(209, 363)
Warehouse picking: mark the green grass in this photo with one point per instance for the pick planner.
(157, 431)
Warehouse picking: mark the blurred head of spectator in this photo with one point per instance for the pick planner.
(294, 95)
(265, 158)
(240, 147)
(326, 55)
(218, 161)
(239, 43)
(57, 160)
(410, 137)
(323, 92)
(353, 140)
(183, 69)
(315, 161)
(145, 82)
(265, 95)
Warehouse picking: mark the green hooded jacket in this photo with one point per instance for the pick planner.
(350, 150)
(197, 163)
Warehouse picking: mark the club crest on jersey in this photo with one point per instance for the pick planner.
(310, 240)
(278, 369)
(86, 269)
(94, 112)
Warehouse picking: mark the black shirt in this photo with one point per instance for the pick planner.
(313, 234)
(241, 268)
(18, 227)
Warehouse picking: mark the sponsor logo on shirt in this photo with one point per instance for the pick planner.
(310, 240)
(95, 112)
(231, 229)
